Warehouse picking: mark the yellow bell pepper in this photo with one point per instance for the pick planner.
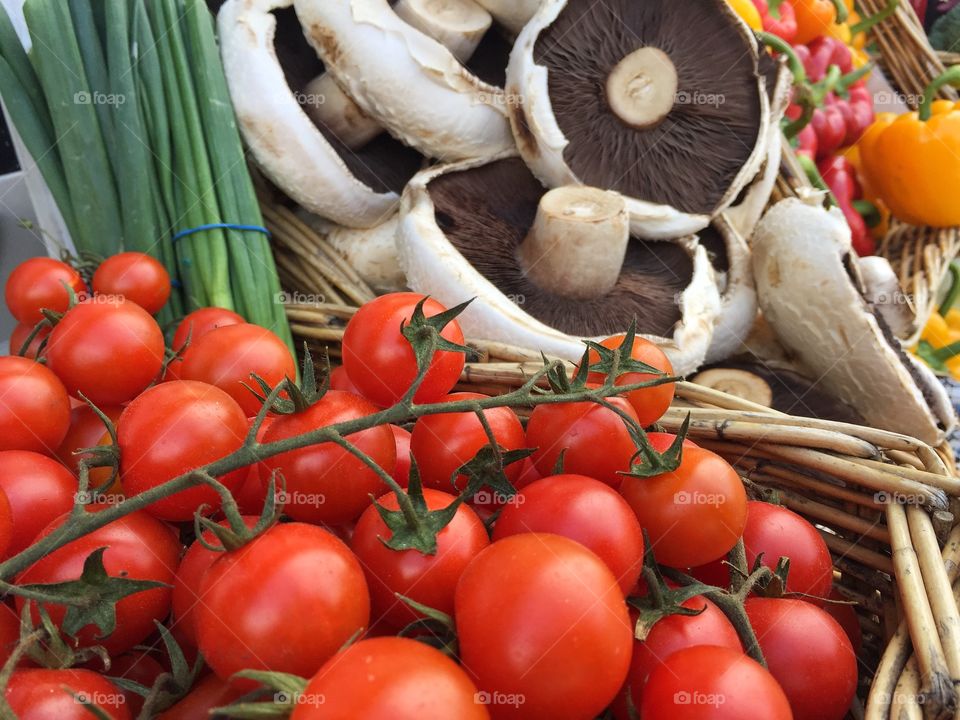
(953, 319)
(748, 13)
(914, 160)
(940, 335)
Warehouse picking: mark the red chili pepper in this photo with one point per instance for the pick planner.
(840, 176)
(806, 142)
(778, 17)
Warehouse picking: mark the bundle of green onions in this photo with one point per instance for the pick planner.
(124, 107)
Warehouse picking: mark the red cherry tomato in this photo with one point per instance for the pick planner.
(40, 694)
(572, 506)
(34, 407)
(380, 361)
(661, 442)
(713, 682)
(187, 595)
(6, 524)
(401, 472)
(390, 678)
(808, 653)
(228, 356)
(252, 492)
(595, 440)
(325, 483)
(428, 579)
(209, 693)
(534, 608)
(171, 429)
(650, 403)
(670, 635)
(135, 276)
(86, 431)
(39, 283)
(19, 336)
(198, 323)
(139, 547)
(442, 443)
(39, 491)
(340, 381)
(286, 602)
(694, 514)
(109, 351)
(139, 667)
(777, 532)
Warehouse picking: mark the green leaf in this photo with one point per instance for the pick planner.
(928, 353)
(92, 599)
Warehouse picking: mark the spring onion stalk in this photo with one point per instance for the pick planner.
(58, 63)
(95, 67)
(12, 51)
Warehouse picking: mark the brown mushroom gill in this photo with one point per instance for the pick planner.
(384, 164)
(486, 213)
(795, 394)
(705, 138)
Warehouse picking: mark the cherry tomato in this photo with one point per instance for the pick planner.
(19, 336)
(39, 491)
(808, 653)
(777, 532)
(846, 615)
(109, 351)
(39, 283)
(712, 682)
(325, 483)
(595, 440)
(198, 323)
(139, 547)
(380, 361)
(9, 632)
(661, 442)
(442, 443)
(227, 356)
(6, 524)
(428, 579)
(694, 514)
(189, 580)
(340, 381)
(650, 403)
(40, 694)
(571, 505)
(86, 431)
(401, 472)
(34, 407)
(669, 635)
(139, 667)
(171, 429)
(390, 678)
(209, 693)
(286, 602)
(543, 628)
(135, 276)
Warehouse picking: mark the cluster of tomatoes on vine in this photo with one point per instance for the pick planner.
(439, 558)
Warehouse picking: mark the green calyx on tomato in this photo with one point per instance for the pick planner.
(424, 335)
(299, 396)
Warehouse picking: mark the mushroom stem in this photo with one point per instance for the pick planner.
(642, 87)
(331, 108)
(512, 14)
(578, 242)
(458, 25)
(739, 383)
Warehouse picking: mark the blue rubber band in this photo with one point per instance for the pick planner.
(220, 226)
(176, 283)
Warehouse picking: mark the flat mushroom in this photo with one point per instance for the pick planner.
(802, 259)
(663, 101)
(512, 14)
(410, 83)
(267, 70)
(550, 268)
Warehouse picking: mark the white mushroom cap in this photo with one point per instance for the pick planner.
(801, 254)
(434, 266)
(285, 143)
(738, 295)
(542, 142)
(409, 82)
(512, 14)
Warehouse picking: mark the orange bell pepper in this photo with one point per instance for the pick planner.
(914, 160)
(748, 13)
(817, 17)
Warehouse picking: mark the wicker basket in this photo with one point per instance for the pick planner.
(884, 502)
